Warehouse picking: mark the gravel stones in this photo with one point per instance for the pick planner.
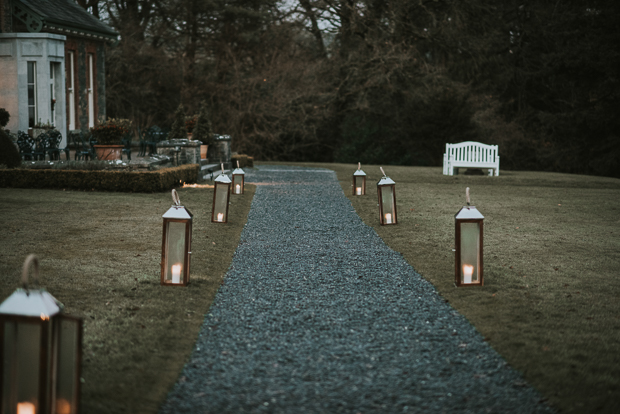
(318, 315)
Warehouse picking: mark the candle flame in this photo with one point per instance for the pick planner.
(63, 406)
(44, 317)
(25, 408)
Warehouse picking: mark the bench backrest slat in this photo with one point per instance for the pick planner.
(470, 151)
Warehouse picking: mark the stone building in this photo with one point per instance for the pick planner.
(52, 57)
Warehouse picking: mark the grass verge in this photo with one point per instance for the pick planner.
(99, 254)
(551, 301)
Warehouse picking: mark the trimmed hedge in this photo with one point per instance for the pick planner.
(129, 181)
(244, 161)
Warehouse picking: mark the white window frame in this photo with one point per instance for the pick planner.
(71, 90)
(91, 91)
(52, 92)
(34, 85)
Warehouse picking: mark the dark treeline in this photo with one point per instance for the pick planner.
(378, 81)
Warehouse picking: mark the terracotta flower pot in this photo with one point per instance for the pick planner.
(108, 152)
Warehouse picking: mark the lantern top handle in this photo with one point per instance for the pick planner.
(175, 198)
(238, 164)
(222, 164)
(33, 260)
(359, 165)
(384, 174)
(467, 196)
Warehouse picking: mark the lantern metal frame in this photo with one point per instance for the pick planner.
(176, 214)
(383, 184)
(359, 175)
(238, 174)
(468, 215)
(221, 181)
(58, 350)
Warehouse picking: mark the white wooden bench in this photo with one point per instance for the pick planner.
(470, 154)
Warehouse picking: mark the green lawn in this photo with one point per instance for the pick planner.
(550, 304)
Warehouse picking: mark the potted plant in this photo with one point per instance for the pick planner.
(39, 128)
(109, 136)
(190, 123)
(178, 130)
(203, 131)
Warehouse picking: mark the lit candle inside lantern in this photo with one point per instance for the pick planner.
(238, 189)
(468, 271)
(358, 190)
(388, 218)
(176, 273)
(220, 216)
(25, 408)
(63, 406)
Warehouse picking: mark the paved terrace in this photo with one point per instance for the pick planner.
(318, 315)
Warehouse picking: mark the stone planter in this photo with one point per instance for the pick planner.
(108, 152)
(203, 152)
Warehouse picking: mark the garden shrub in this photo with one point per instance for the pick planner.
(178, 130)
(244, 161)
(9, 154)
(4, 117)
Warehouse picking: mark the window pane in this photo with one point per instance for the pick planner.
(31, 95)
(31, 72)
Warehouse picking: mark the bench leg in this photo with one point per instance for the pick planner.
(491, 172)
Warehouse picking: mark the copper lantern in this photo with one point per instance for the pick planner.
(40, 351)
(176, 247)
(221, 196)
(387, 200)
(468, 246)
(359, 181)
(238, 180)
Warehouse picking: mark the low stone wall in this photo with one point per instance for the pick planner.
(180, 151)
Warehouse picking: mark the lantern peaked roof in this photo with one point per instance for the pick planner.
(238, 171)
(65, 16)
(386, 181)
(468, 212)
(223, 178)
(178, 212)
(359, 172)
(31, 302)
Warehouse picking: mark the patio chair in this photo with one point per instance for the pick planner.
(82, 150)
(54, 137)
(25, 143)
(142, 142)
(127, 139)
(40, 147)
(154, 135)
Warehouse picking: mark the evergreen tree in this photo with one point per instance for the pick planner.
(179, 130)
(203, 130)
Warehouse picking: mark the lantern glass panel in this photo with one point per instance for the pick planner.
(175, 252)
(221, 201)
(22, 343)
(470, 257)
(387, 204)
(237, 184)
(67, 371)
(359, 185)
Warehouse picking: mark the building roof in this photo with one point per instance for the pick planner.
(67, 16)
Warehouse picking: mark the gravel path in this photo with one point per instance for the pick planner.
(318, 315)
